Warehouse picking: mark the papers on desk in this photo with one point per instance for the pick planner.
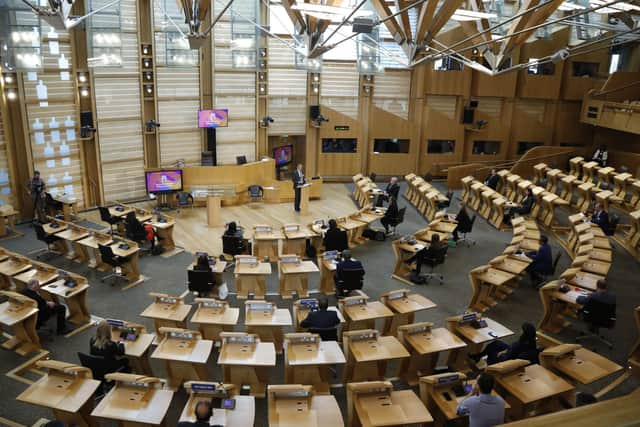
(419, 246)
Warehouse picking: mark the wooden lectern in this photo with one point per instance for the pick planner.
(213, 211)
(304, 198)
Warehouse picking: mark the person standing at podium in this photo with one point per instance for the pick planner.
(298, 180)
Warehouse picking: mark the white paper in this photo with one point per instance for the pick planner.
(39, 137)
(54, 48)
(71, 135)
(51, 163)
(32, 76)
(66, 161)
(55, 136)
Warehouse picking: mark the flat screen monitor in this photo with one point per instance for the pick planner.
(218, 118)
(166, 180)
(283, 155)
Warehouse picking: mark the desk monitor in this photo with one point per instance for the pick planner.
(218, 118)
(166, 180)
(283, 155)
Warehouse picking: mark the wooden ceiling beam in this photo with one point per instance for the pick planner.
(404, 18)
(442, 17)
(424, 19)
(392, 24)
(539, 16)
(517, 25)
(294, 15)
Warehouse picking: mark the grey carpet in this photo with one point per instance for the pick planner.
(168, 275)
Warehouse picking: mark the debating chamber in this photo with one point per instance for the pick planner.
(320, 213)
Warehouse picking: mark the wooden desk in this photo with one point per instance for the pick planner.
(92, 243)
(167, 311)
(359, 313)
(295, 239)
(213, 317)
(185, 354)
(163, 226)
(327, 271)
(267, 321)
(11, 266)
(66, 389)
(242, 416)
(404, 306)
(294, 276)
(135, 401)
(307, 360)
(265, 242)
(581, 279)
(251, 276)
(302, 308)
(514, 264)
(559, 305)
(373, 404)
(297, 405)
(120, 211)
(525, 386)
(130, 268)
(553, 176)
(43, 273)
(600, 268)
(69, 206)
(577, 364)
(137, 344)
(425, 344)
(75, 298)
(8, 220)
(368, 353)
(20, 313)
(72, 234)
(475, 338)
(403, 250)
(246, 360)
(488, 283)
(351, 226)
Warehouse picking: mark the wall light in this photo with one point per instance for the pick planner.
(84, 92)
(8, 78)
(11, 95)
(82, 78)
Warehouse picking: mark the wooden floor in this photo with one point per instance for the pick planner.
(192, 233)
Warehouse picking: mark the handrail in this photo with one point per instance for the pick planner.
(605, 92)
(506, 163)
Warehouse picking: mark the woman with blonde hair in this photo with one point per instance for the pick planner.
(103, 346)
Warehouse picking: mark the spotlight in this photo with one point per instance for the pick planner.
(11, 95)
(152, 125)
(82, 78)
(145, 50)
(8, 79)
(148, 76)
(84, 92)
(148, 89)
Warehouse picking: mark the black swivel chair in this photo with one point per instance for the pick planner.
(351, 280)
(464, 231)
(202, 282)
(115, 261)
(613, 225)
(52, 206)
(397, 220)
(99, 368)
(184, 199)
(232, 246)
(336, 242)
(108, 218)
(447, 203)
(544, 278)
(256, 192)
(135, 231)
(43, 236)
(432, 261)
(326, 334)
(598, 315)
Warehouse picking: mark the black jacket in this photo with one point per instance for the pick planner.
(295, 177)
(464, 222)
(42, 303)
(526, 205)
(322, 319)
(109, 352)
(335, 240)
(492, 181)
(348, 264)
(392, 190)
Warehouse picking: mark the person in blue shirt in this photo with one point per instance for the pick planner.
(601, 218)
(601, 295)
(483, 408)
(542, 264)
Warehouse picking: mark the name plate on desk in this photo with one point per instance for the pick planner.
(262, 229)
(242, 340)
(373, 390)
(310, 303)
(448, 379)
(181, 335)
(291, 228)
(396, 295)
(330, 255)
(248, 260)
(260, 306)
(290, 260)
(167, 300)
(353, 302)
(373, 335)
(291, 393)
(418, 329)
(213, 304)
(319, 222)
(304, 339)
(116, 323)
(208, 388)
(469, 317)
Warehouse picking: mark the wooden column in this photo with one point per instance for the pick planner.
(416, 116)
(149, 101)
(364, 115)
(262, 134)
(206, 75)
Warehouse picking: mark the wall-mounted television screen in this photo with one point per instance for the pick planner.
(283, 155)
(166, 180)
(213, 118)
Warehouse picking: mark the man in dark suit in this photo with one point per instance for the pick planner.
(203, 412)
(347, 264)
(322, 318)
(526, 205)
(298, 180)
(392, 190)
(390, 214)
(46, 309)
(492, 180)
(601, 217)
(464, 222)
(601, 295)
(542, 264)
(334, 238)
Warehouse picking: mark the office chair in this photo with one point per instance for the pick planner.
(449, 196)
(105, 216)
(433, 261)
(542, 279)
(99, 368)
(184, 199)
(52, 206)
(108, 257)
(598, 315)
(135, 231)
(464, 231)
(351, 280)
(43, 236)
(338, 242)
(256, 192)
(326, 334)
(613, 225)
(231, 246)
(202, 282)
(397, 220)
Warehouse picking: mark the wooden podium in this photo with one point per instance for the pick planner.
(304, 198)
(213, 211)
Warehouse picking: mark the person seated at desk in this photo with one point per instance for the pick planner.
(46, 309)
(139, 232)
(101, 345)
(204, 412)
(601, 218)
(492, 180)
(464, 221)
(391, 191)
(202, 263)
(601, 155)
(232, 230)
(524, 209)
(499, 351)
(321, 318)
(390, 214)
(334, 238)
(542, 264)
(347, 264)
(425, 254)
(601, 295)
(483, 408)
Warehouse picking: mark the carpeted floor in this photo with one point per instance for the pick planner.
(168, 275)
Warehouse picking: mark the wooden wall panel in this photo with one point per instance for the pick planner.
(568, 130)
(441, 122)
(447, 82)
(339, 87)
(339, 164)
(391, 92)
(532, 121)
(575, 87)
(382, 125)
